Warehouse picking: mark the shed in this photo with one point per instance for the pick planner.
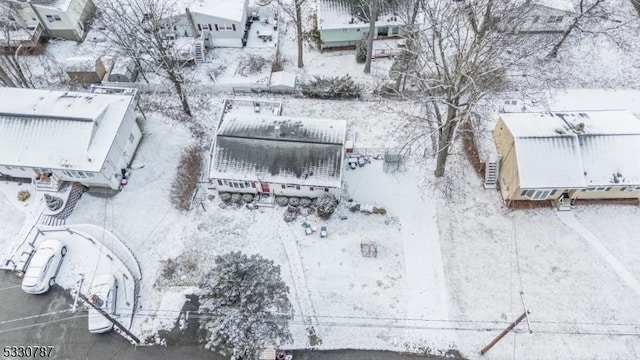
(282, 81)
(123, 70)
(85, 69)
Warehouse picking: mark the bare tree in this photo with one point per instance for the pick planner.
(293, 8)
(591, 17)
(13, 32)
(460, 57)
(139, 29)
(372, 29)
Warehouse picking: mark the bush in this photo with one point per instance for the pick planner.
(326, 205)
(282, 200)
(247, 198)
(361, 51)
(305, 202)
(294, 201)
(23, 195)
(225, 196)
(169, 267)
(251, 65)
(186, 178)
(332, 88)
(236, 198)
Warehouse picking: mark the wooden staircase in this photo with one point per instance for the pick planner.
(491, 172)
(198, 50)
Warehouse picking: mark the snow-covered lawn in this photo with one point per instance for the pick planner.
(576, 298)
(12, 218)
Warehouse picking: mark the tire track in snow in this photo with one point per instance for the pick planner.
(301, 289)
(571, 221)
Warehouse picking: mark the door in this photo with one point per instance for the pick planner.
(265, 187)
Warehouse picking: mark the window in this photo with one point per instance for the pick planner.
(291, 186)
(537, 194)
(80, 26)
(555, 19)
(50, 18)
(630, 188)
(297, 187)
(284, 186)
(310, 188)
(219, 182)
(599, 188)
(326, 189)
(246, 184)
(535, 19)
(78, 174)
(253, 185)
(8, 167)
(235, 184)
(241, 185)
(226, 27)
(209, 26)
(199, 27)
(131, 138)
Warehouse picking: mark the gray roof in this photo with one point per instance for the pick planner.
(280, 149)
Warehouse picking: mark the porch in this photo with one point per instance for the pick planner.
(22, 39)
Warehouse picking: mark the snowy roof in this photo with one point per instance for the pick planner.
(61, 5)
(575, 149)
(80, 64)
(224, 9)
(122, 65)
(341, 14)
(283, 79)
(58, 129)
(564, 5)
(279, 149)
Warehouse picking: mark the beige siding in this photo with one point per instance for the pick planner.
(509, 183)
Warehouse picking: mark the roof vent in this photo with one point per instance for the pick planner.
(579, 127)
(559, 131)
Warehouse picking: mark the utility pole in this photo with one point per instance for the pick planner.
(504, 332)
(110, 318)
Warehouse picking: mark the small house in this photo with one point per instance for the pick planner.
(123, 70)
(547, 16)
(84, 69)
(569, 154)
(53, 137)
(220, 23)
(343, 23)
(277, 155)
(64, 19)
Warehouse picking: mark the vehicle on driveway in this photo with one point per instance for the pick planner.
(103, 295)
(43, 267)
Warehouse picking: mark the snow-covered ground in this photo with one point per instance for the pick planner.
(451, 266)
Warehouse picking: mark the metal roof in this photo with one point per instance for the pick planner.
(575, 149)
(58, 129)
(279, 149)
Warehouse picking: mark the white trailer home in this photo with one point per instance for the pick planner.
(279, 155)
(219, 23)
(53, 137)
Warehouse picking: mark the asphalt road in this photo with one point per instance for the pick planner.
(46, 320)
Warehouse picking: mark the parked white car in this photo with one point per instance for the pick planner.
(104, 291)
(43, 267)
